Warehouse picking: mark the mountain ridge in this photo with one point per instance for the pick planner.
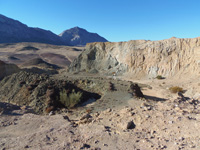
(13, 31)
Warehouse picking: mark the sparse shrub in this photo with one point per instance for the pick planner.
(159, 77)
(176, 89)
(70, 100)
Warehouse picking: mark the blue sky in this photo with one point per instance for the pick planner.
(116, 20)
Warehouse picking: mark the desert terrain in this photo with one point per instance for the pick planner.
(113, 112)
(23, 54)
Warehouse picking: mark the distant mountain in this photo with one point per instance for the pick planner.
(13, 31)
(80, 37)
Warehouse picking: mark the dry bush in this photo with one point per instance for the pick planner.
(176, 89)
(70, 100)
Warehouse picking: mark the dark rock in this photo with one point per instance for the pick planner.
(136, 91)
(26, 146)
(85, 146)
(131, 125)
(87, 116)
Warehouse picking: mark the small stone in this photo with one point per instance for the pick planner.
(26, 146)
(108, 110)
(163, 146)
(130, 125)
(105, 144)
(51, 113)
(87, 116)
(85, 146)
(96, 142)
(147, 116)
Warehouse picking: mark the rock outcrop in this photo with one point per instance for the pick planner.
(80, 37)
(7, 69)
(142, 58)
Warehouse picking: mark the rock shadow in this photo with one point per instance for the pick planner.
(153, 98)
(7, 109)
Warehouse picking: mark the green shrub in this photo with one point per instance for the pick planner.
(176, 89)
(70, 100)
(159, 77)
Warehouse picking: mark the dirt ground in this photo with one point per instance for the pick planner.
(161, 121)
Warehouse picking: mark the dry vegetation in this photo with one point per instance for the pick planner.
(70, 99)
(176, 89)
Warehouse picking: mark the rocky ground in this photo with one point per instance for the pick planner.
(117, 120)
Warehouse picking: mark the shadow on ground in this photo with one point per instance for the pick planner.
(153, 98)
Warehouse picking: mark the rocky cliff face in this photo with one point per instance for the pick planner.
(7, 69)
(142, 58)
(80, 37)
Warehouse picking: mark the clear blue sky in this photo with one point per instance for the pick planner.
(116, 20)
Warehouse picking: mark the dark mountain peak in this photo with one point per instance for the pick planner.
(79, 36)
(74, 30)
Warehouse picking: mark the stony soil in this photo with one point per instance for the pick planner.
(116, 121)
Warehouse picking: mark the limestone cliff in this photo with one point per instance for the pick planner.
(7, 69)
(142, 58)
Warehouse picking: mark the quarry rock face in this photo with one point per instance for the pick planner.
(80, 37)
(7, 69)
(142, 58)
